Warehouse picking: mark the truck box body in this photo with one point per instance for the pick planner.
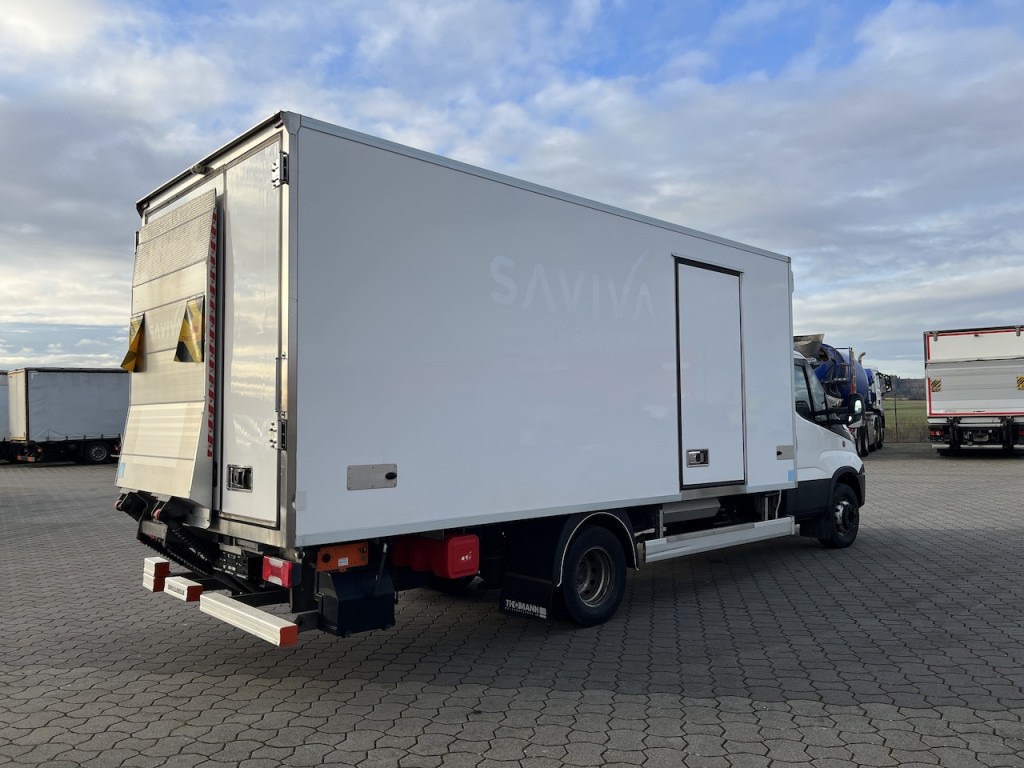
(390, 308)
(346, 344)
(54, 404)
(975, 386)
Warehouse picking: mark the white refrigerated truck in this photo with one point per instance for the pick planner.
(66, 414)
(975, 388)
(359, 368)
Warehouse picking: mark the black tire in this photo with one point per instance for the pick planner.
(881, 439)
(96, 453)
(862, 442)
(842, 519)
(594, 577)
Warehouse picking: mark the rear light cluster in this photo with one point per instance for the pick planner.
(452, 557)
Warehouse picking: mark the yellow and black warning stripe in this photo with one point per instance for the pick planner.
(1020, 382)
(190, 340)
(133, 359)
(936, 385)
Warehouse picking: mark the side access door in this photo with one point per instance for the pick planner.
(710, 376)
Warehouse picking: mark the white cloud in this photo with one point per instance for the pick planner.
(752, 15)
(34, 29)
(897, 161)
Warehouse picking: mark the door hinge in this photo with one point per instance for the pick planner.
(279, 170)
(279, 435)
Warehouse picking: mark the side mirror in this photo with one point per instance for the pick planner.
(855, 410)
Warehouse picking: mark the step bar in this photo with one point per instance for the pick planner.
(720, 538)
(266, 626)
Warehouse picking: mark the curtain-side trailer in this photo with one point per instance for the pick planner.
(66, 414)
(5, 423)
(975, 388)
(358, 368)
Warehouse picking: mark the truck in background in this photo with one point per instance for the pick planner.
(66, 414)
(975, 388)
(879, 385)
(518, 383)
(5, 423)
(843, 374)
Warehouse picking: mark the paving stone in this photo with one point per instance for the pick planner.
(904, 650)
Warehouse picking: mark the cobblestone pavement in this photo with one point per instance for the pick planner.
(905, 650)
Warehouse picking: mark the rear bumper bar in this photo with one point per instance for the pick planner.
(264, 625)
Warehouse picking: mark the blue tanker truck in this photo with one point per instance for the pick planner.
(842, 374)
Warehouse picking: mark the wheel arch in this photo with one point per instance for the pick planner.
(617, 522)
(847, 476)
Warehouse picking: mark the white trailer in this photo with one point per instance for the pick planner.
(975, 388)
(359, 368)
(69, 414)
(5, 423)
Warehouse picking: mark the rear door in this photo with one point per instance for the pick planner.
(250, 380)
(710, 376)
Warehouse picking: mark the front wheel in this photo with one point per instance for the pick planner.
(594, 577)
(842, 521)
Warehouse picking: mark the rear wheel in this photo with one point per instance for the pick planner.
(97, 453)
(594, 577)
(842, 521)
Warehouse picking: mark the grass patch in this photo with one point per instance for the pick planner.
(906, 421)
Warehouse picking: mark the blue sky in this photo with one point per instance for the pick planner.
(876, 143)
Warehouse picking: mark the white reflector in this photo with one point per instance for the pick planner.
(154, 572)
(182, 588)
(157, 566)
(153, 583)
(265, 626)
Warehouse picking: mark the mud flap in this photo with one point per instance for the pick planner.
(528, 586)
